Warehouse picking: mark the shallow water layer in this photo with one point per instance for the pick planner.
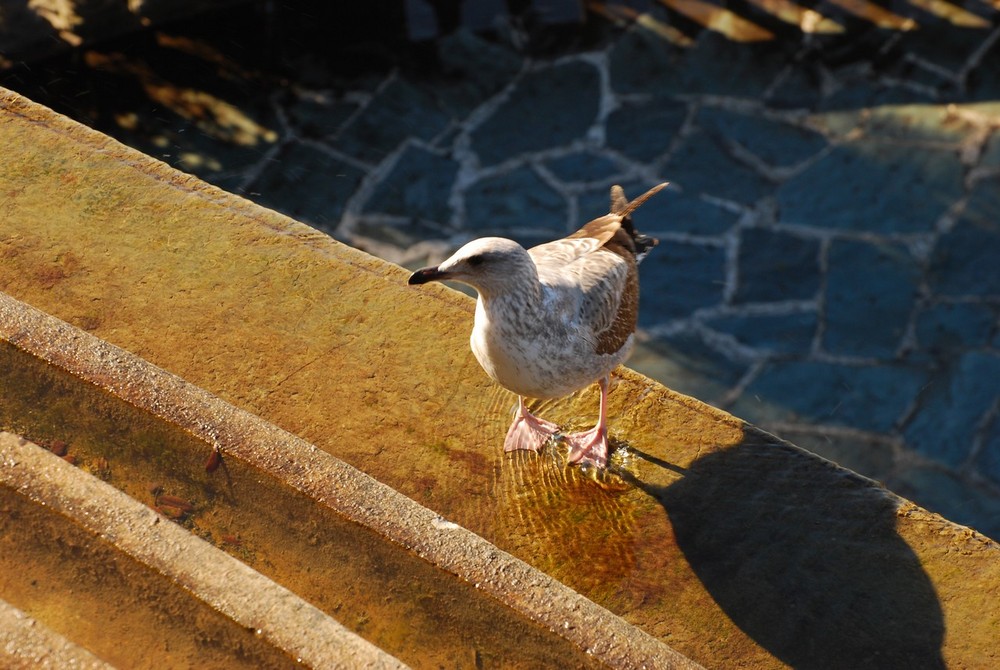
(399, 602)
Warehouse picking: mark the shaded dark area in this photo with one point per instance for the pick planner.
(804, 557)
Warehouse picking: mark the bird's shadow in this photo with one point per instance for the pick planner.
(802, 555)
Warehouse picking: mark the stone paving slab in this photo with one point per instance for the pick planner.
(841, 185)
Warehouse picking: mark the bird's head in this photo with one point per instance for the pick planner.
(489, 265)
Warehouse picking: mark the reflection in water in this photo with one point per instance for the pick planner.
(579, 524)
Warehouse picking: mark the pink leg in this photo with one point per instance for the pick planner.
(592, 446)
(528, 431)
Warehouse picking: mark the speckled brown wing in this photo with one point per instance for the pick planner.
(615, 313)
(599, 260)
(626, 312)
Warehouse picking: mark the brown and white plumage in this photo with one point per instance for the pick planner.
(555, 318)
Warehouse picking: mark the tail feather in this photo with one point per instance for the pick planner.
(624, 208)
(630, 207)
(618, 200)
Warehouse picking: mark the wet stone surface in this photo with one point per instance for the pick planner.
(828, 256)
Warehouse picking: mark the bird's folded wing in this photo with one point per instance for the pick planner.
(560, 253)
(587, 240)
(594, 293)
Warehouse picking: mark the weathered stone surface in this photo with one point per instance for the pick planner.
(855, 396)
(516, 200)
(199, 133)
(644, 130)
(25, 642)
(952, 407)
(678, 278)
(868, 283)
(774, 266)
(768, 589)
(988, 459)
(801, 88)
(684, 212)
(867, 92)
(548, 108)
(319, 182)
(319, 118)
(386, 567)
(772, 333)
(143, 571)
(641, 63)
(399, 111)
(701, 165)
(938, 488)
(905, 191)
(686, 364)
(991, 152)
(981, 84)
(672, 211)
(918, 123)
(964, 261)
(720, 66)
(418, 186)
(475, 70)
(874, 457)
(582, 167)
(949, 328)
(775, 143)
(941, 45)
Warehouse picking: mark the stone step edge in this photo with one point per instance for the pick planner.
(341, 487)
(227, 585)
(26, 643)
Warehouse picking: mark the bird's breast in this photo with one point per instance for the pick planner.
(533, 358)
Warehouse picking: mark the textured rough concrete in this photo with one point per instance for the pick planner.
(258, 607)
(595, 636)
(26, 643)
(710, 535)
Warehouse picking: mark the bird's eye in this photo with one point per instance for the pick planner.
(475, 260)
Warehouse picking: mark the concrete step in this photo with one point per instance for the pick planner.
(121, 580)
(150, 318)
(285, 517)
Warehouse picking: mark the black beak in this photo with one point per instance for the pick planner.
(425, 275)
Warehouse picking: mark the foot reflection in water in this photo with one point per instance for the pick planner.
(579, 524)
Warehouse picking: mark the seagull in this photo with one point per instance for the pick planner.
(555, 318)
